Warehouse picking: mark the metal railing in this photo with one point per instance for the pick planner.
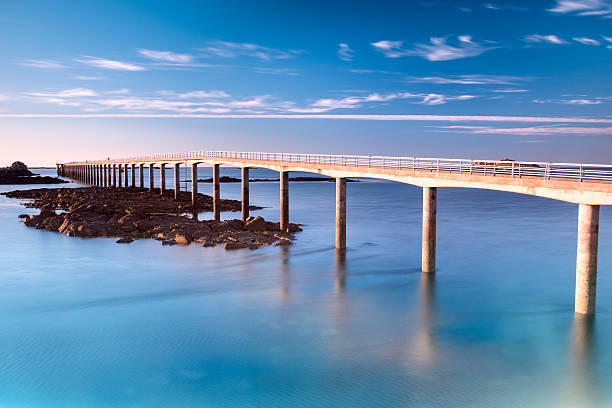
(573, 171)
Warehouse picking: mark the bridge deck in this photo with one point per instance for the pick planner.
(576, 183)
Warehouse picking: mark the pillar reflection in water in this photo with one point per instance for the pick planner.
(423, 347)
(581, 390)
(285, 272)
(340, 271)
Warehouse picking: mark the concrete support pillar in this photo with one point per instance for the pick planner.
(104, 177)
(340, 213)
(125, 171)
(114, 175)
(284, 201)
(162, 176)
(119, 175)
(586, 259)
(133, 175)
(177, 180)
(216, 193)
(108, 170)
(141, 175)
(194, 183)
(151, 177)
(428, 259)
(245, 193)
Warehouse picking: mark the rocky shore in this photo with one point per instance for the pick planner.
(19, 174)
(133, 213)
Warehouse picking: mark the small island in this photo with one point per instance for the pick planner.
(18, 173)
(134, 213)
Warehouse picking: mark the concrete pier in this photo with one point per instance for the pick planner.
(114, 175)
(284, 201)
(340, 213)
(245, 193)
(194, 183)
(119, 167)
(104, 176)
(216, 193)
(133, 175)
(141, 175)
(125, 170)
(162, 176)
(428, 258)
(151, 177)
(586, 259)
(177, 180)
(108, 171)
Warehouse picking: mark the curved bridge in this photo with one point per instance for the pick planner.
(589, 185)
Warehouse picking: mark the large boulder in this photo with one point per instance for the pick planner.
(17, 169)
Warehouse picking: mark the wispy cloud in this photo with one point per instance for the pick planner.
(584, 7)
(469, 79)
(509, 90)
(345, 53)
(42, 64)
(204, 94)
(167, 56)
(437, 50)
(276, 71)
(586, 41)
(109, 64)
(122, 91)
(577, 100)
(533, 130)
(68, 93)
(373, 71)
(89, 77)
(227, 49)
(549, 38)
(495, 6)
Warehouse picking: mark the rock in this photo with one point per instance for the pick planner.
(168, 242)
(125, 241)
(182, 239)
(234, 245)
(256, 224)
(235, 224)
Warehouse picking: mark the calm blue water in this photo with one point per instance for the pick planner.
(90, 323)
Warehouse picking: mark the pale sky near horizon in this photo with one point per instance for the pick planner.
(529, 80)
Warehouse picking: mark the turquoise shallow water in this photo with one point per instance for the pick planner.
(87, 322)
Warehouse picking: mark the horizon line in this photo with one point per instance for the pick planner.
(375, 117)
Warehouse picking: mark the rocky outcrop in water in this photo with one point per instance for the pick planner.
(18, 173)
(133, 213)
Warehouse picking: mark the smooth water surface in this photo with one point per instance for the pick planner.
(90, 323)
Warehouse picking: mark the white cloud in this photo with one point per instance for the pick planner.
(109, 64)
(437, 50)
(3, 98)
(608, 39)
(550, 38)
(166, 56)
(584, 7)
(345, 53)
(42, 64)
(227, 49)
(586, 41)
(469, 79)
(533, 130)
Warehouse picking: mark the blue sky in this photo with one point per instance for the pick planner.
(87, 79)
